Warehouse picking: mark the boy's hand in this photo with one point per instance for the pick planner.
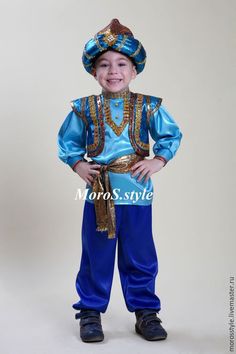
(87, 171)
(146, 168)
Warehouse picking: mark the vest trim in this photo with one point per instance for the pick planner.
(90, 110)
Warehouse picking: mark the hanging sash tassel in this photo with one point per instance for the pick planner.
(105, 208)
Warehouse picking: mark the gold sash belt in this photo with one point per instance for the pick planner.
(104, 207)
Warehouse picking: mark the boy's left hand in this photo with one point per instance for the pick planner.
(146, 168)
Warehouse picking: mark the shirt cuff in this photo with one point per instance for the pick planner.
(165, 153)
(72, 161)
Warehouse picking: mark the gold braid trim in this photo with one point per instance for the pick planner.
(100, 125)
(117, 129)
(148, 100)
(121, 94)
(88, 56)
(138, 118)
(82, 113)
(151, 111)
(141, 62)
(101, 49)
(93, 115)
(122, 43)
(156, 107)
(104, 208)
(137, 50)
(87, 65)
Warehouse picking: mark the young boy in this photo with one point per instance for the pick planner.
(113, 129)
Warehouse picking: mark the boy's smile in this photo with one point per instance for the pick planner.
(114, 71)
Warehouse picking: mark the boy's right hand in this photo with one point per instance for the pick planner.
(87, 171)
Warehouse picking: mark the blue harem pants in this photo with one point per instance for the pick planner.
(137, 260)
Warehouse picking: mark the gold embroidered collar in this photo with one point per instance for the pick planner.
(121, 94)
(118, 129)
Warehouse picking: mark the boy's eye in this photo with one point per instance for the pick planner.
(122, 64)
(103, 65)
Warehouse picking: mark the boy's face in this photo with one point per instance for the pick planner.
(114, 71)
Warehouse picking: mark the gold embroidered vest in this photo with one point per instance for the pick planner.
(92, 111)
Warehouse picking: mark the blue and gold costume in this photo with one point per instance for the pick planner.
(86, 130)
(108, 127)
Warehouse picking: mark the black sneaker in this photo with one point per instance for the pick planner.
(90, 326)
(149, 326)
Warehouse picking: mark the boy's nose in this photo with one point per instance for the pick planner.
(112, 69)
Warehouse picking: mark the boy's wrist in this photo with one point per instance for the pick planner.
(77, 163)
(161, 159)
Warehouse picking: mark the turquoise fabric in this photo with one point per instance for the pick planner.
(163, 130)
(126, 45)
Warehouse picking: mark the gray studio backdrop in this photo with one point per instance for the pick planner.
(191, 65)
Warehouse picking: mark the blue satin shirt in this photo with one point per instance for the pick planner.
(163, 130)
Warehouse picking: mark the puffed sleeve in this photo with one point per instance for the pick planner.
(72, 140)
(165, 132)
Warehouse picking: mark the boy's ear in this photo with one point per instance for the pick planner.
(93, 72)
(134, 74)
